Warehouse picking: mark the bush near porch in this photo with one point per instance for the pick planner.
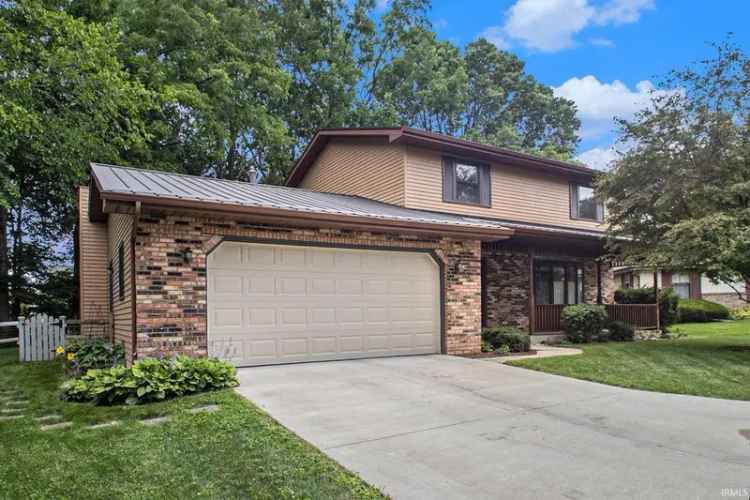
(505, 338)
(712, 359)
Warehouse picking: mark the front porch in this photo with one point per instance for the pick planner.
(529, 280)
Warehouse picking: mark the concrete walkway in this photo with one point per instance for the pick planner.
(542, 351)
(447, 427)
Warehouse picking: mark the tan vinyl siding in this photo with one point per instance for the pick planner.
(121, 231)
(517, 194)
(370, 168)
(92, 255)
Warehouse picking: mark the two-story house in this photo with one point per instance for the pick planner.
(384, 242)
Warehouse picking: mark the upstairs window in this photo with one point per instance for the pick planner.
(466, 182)
(584, 205)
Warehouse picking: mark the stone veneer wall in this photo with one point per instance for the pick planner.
(507, 284)
(506, 294)
(609, 284)
(170, 258)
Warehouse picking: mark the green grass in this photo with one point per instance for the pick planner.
(713, 360)
(236, 452)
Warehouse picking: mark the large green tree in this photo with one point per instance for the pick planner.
(213, 65)
(65, 100)
(680, 195)
(481, 93)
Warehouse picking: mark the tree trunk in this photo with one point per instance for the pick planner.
(4, 292)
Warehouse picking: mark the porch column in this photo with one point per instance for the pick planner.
(532, 315)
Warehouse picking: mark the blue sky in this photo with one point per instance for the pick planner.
(604, 54)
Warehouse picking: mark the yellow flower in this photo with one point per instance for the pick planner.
(60, 350)
(71, 356)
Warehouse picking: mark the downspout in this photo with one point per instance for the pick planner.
(133, 295)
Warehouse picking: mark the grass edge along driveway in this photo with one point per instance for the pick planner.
(237, 451)
(712, 361)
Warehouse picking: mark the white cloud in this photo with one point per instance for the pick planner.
(599, 158)
(547, 25)
(602, 42)
(495, 35)
(551, 25)
(600, 102)
(623, 11)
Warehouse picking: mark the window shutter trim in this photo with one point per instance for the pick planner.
(485, 188)
(449, 180)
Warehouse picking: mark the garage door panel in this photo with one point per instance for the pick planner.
(261, 316)
(281, 304)
(324, 345)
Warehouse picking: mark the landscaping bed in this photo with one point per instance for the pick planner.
(709, 359)
(210, 445)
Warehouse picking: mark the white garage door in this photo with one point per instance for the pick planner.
(272, 304)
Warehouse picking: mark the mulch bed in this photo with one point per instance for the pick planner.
(499, 355)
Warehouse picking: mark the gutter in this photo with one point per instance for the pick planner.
(297, 217)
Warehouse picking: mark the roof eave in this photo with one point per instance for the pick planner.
(435, 141)
(296, 217)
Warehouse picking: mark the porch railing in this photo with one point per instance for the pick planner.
(547, 317)
(638, 315)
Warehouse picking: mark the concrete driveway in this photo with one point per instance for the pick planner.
(439, 427)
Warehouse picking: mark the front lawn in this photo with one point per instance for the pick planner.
(713, 360)
(236, 451)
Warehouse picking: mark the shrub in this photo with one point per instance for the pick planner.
(667, 301)
(741, 313)
(620, 330)
(583, 322)
(700, 310)
(150, 380)
(515, 339)
(634, 296)
(96, 353)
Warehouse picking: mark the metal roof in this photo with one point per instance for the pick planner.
(118, 182)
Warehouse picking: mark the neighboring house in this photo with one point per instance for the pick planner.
(384, 242)
(688, 285)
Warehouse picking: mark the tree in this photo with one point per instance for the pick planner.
(482, 94)
(426, 85)
(680, 196)
(213, 65)
(507, 107)
(315, 48)
(65, 100)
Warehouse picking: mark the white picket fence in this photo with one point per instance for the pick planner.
(39, 336)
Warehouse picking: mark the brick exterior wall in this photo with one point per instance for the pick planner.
(506, 294)
(730, 300)
(170, 258)
(608, 282)
(507, 283)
